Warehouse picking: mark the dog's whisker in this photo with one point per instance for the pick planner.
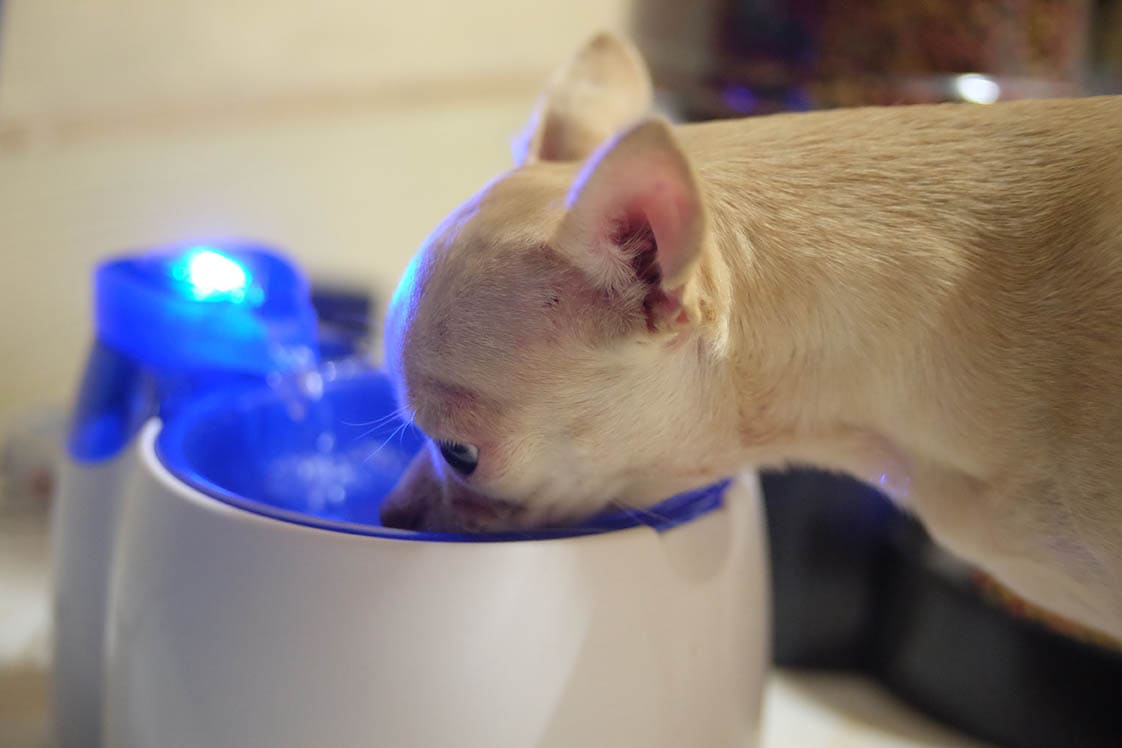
(405, 425)
(387, 440)
(401, 412)
(383, 422)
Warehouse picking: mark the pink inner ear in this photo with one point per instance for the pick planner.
(669, 207)
(636, 204)
(635, 239)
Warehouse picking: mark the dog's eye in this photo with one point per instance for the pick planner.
(462, 457)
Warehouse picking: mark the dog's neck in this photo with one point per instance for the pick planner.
(829, 318)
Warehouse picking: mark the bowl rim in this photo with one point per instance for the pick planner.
(168, 451)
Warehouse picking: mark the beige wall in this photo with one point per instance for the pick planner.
(66, 55)
(341, 132)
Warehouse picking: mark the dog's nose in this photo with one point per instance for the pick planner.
(401, 515)
(475, 509)
(407, 504)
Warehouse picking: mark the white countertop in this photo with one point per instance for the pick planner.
(802, 710)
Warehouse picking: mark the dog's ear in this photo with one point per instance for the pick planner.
(636, 223)
(602, 89)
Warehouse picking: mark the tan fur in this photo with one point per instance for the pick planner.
(928, 297)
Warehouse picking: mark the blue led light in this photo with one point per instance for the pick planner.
(208, 274)
(233, 307)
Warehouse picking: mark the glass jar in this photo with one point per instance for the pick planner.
(720, 58)
(1106, 43)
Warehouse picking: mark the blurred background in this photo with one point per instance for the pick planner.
(340, 131)
(343, 131)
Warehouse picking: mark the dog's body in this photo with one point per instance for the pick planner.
(929, 298)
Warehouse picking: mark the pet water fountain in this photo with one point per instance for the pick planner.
(223, 578)
(169, 324)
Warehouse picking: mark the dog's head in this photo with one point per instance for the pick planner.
(549, 336)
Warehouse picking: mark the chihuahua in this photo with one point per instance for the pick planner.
(928, 298)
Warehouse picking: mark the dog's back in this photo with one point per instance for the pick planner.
(981, 250)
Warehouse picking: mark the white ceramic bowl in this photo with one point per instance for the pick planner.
(238, 620)
(83, 534)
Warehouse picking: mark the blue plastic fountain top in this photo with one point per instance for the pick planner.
(175, 322)
(328, 463)
(232, 307)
